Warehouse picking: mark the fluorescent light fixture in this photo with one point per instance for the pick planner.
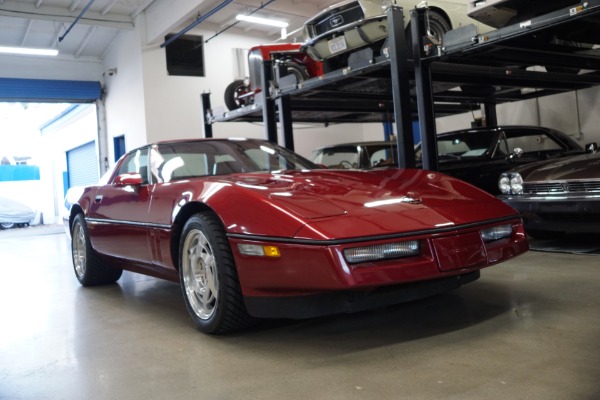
(262, 21)
(29, 51)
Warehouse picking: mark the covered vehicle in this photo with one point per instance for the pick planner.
(14, 213)
(477, 156)
(250, 229)
(556, 196)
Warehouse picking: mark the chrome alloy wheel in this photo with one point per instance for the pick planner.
(200, 279)
(78, 250)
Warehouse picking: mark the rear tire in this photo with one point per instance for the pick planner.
(90, 270)
(208, 276)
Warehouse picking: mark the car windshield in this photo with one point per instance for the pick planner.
(182, 160)
(357, 156)
(464, 144)
(494, 143)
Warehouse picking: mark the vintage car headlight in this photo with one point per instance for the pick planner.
(382, 252)
(511, 183)
(496, 232)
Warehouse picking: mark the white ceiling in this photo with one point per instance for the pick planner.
(40, 23)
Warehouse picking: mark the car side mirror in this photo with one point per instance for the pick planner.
(130, 179)
(591, 147)
(517, 153)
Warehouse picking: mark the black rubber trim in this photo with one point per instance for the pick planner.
(349, 301)
(98, 221)
(332, 242)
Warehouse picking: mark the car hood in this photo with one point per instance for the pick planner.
(584, 166)
(375, 202)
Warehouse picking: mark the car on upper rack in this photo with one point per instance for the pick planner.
(477, 155)
(556, 197)
(361, 25)
(500, 13)
(290, 61)
(250, 229)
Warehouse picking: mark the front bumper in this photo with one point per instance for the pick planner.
(349, 301)
(309, 279)
(355, 36)
(579, 213)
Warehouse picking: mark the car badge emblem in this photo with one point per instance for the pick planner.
(336, 21)
(411, 200)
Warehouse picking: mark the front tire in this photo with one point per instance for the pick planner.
(233, 91)
(208, 276)
(90, 270)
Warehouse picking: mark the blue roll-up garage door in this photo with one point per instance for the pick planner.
(44, 90)
(82, 165)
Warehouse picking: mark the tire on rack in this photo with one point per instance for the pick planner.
(232, 93)
(438, 25)
(208, 276)
(90, 270)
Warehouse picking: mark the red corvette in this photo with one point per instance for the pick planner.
(250, 229)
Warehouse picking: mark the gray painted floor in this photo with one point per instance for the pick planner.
(528, 329)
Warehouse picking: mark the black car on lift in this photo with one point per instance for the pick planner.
(477, 156)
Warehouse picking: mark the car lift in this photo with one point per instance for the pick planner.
(490, 68)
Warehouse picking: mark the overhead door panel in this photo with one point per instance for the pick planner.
(82, 165)
(44, 90)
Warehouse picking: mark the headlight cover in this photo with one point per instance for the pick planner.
(511, 183)
(382, 252)
(496, 233)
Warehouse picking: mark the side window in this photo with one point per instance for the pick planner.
(533, 143)
(170, 162)
(135, 162)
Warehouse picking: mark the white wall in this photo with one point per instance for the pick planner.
(124, 92)
(146, 104)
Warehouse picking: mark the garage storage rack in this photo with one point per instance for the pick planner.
(470, 69)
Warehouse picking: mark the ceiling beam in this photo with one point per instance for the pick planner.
(17, 9)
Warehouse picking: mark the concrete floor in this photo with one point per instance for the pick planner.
(528, 329)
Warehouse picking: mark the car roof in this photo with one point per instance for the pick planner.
(372, 143)
(499, 128)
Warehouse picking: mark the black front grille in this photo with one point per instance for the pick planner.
(337, 18)
(543, 187)
(562, 187)
(584, 186)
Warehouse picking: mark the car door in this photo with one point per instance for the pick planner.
(118, 214)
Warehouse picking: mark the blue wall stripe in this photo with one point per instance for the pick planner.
(44, 90)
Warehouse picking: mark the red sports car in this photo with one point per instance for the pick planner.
(250, 229)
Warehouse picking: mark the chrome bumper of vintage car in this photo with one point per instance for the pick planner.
(564, 213)
(355, 35)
